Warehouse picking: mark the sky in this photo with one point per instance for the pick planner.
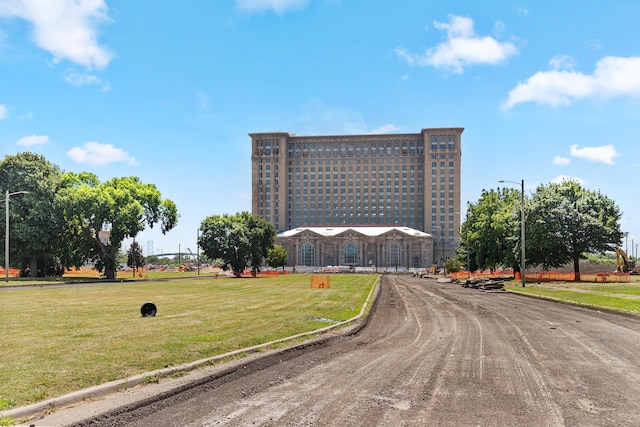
(169, 91)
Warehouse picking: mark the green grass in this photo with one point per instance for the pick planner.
(93, 276)
(623, 297)
(60, 340)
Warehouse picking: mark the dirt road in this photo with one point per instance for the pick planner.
(431, 354)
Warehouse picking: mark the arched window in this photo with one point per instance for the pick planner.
(393, 257)
(308, 255)
(350, 254)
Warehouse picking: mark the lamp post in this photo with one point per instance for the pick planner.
(441, 238)
(6, 236)
(522, 238)
(626, 243)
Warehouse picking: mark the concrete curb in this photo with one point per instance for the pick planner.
(123, 384)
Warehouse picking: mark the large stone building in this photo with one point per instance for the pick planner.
(372, 246)
(407, 180)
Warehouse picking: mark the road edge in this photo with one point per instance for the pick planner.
(101, 390)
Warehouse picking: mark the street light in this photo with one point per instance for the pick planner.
(626, 243)
(6, 236)
(441, 238)
(522, 240)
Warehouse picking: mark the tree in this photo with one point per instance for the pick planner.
(153, 259)
(34, 224)
(565, 222)
(135, 258)
(453, 265)
(262, 235)
(490, 231)
(277, 256)
(240, 241)
(99, 216)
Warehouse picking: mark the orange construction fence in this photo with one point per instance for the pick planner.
(547, 276)
(268, 273)
(484, 273)
(13, 272)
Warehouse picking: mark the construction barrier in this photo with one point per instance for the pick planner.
(13, 272)
(270, 273)
(320, 281)
(546, 276)
(479, 274)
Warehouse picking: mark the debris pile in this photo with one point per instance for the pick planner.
(484, 284)
(425, 275)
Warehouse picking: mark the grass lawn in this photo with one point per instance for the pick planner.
(58, 340)
(86, 275)
(623, 297)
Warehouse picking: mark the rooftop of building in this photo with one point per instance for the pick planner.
(370, 231)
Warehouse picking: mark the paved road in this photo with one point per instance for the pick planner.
(431, 354)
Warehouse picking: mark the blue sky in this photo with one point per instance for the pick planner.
(168, 91)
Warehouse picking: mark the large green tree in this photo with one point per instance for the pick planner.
(565, 222)
(35, 226)
(240, 241)
(489, 234)
(100, 215)
(277, 256)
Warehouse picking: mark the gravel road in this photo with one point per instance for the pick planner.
(431, 354)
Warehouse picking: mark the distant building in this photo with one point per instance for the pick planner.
(372, 246)
(391, 180)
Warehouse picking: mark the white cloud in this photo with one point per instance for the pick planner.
(317, 118)
(277, 6)
(68, 29)
(30, 141)
(604, 154)
(462, 48)
(80, 79)
(84, 79)
(561, 161)
(385, 129)
(560, 62)
(563, 178)
(4, 112)
(614, 76)
(97, 154)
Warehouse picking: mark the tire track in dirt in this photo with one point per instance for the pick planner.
(431, 354)
(562, 346)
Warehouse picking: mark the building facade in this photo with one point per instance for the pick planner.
(376, 247)
(410, 180)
